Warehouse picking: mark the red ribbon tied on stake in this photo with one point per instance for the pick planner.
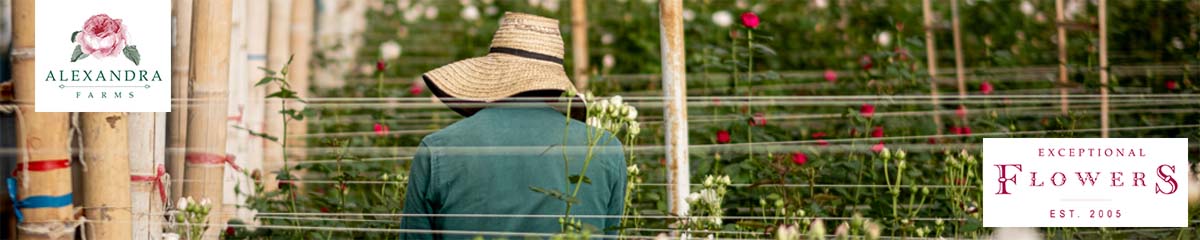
(215, 159)
(156, 179)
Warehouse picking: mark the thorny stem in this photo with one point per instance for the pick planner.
(750, 87)
(566, 162)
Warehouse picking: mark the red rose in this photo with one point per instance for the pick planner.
(878, 147)
(229, 231)
(822, 142)
(750, 20)
(381, 130)
(380, 65)
(986, 88)
(830, 76)
(1172, 85)
(902, 53)
(867, 110)
(416, 88)
(966, 131)
(285, 184)
(818, 135)
(877, 132)
(324, 209)
(722, 136)
(956, 130)
(866, 62)
(758, 120)
(932, 140)
(799, 158)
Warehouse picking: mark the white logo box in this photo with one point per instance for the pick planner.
(147, 27)
(1139, 203)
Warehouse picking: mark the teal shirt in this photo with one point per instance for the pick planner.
(486, 164)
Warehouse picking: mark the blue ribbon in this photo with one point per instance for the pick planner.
(35, 201)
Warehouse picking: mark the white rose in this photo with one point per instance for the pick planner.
(884, 38)
(470, 13)
(1027, 8)
(183, 203)
(692, 198)
(550, 5)
(431, 12)
(390, 50)
(722, 18)
(616, 100)
(632, 115)
(820, 4)
(608, 61)
(688, 14)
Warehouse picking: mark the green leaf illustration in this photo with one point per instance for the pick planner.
(132, 54)
(74, 35)
(78, 54)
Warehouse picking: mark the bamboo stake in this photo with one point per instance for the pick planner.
(931, 51)
(959, 71)
(237, 140)
(206, 139)
(579, 41)
(299, 72)
(1103, 12)
(675, 97)
(180, 75)
(256, 46)
(145, 162)
(43, 138)
(1060, 19)
(278, 51)
(106, 136)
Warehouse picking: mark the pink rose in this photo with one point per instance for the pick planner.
(830, 76)
(750, 20)
(381, 130)
(799, 158)
(986, 88)
(867, 110)
(102, 36)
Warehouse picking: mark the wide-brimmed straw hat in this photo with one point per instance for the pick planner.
(526, 56)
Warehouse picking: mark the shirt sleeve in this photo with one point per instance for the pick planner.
(416, 199)
(616, 205)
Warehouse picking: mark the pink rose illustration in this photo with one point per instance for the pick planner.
(103, 37)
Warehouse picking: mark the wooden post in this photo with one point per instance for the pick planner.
(146, 172)
(278, 52)
(579, 41)
(674, 81)
(42, 140)
(299, 72)
(180, 75)
(931, 52)
(206, 132)
(1103, 13)
(1060, 20)
(106, 141)
(256, 47)
(958, 58)
(237, 140)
